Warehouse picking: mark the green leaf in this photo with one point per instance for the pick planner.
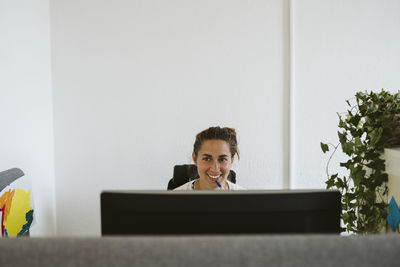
(347, 148)
(324, 147)
(342, 137)
(375, 136)
(357, 142)
(331, 181)
(339, 183)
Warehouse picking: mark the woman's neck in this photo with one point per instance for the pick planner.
(200, 185)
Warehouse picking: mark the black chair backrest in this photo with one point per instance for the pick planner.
(188, 172)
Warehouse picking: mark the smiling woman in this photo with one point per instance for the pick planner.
(213, 153)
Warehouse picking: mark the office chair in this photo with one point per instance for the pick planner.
(188, 172)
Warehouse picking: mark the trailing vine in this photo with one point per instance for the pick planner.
(370, 124)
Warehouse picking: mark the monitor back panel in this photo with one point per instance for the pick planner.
(234, 212)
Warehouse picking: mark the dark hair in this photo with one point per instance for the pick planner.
(217, 133)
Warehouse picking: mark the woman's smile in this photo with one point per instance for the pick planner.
(214, 178)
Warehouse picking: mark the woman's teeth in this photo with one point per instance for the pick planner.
(214, 177)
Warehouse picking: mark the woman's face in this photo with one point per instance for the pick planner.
(213, 161)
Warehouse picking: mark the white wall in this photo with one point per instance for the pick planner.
(26, 135)
(134, 81)
(340, 47)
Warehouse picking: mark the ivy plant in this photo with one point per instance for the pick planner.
(370, 124)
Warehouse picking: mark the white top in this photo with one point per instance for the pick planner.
(190, 186)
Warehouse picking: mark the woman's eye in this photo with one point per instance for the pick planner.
(222, 159)
(206, 159)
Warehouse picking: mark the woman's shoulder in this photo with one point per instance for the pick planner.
(233, 186)
(187, 186)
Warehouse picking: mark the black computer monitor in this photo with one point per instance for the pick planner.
(220, 212)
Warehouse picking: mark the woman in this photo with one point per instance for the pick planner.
(213, 154)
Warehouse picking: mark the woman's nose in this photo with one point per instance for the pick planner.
(215, 166)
